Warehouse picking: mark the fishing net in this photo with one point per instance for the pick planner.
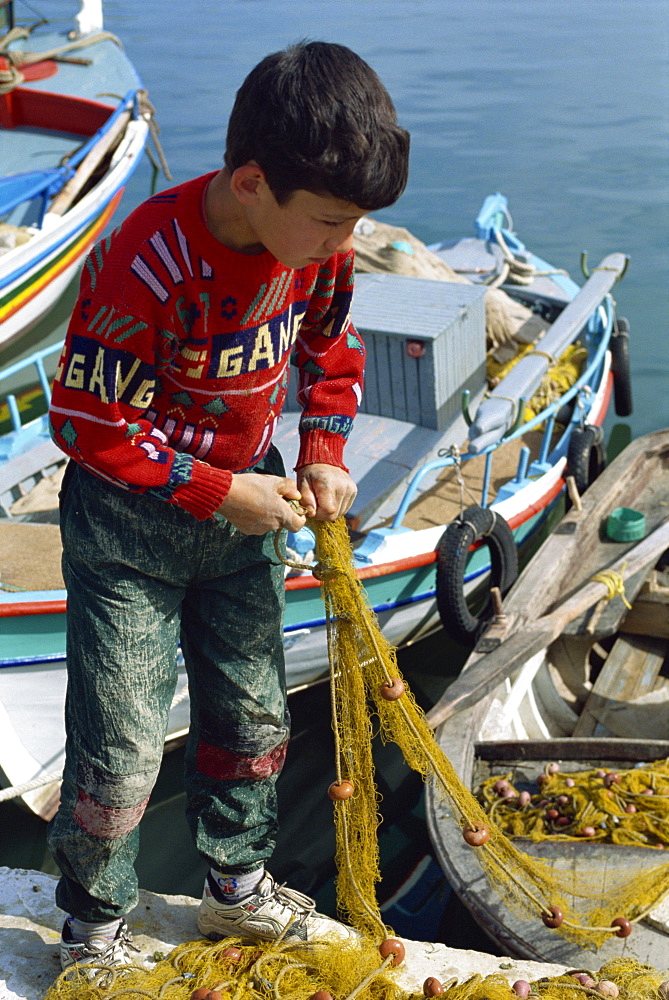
(558, 379)
(368, 696)
(234, 970)
(602, 805)
(365, 675)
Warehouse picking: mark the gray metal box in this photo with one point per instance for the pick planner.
(399, 317)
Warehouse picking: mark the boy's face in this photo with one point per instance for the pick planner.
(307, 229)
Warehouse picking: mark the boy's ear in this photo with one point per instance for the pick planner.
(246, 182)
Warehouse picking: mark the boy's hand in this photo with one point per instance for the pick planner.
(325, 489)
(257, 503)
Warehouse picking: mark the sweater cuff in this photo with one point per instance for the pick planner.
(205, 492)
(321, 447)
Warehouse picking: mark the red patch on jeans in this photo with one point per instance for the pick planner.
(104, 821)
(222, 764)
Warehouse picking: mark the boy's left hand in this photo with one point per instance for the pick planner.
(326, 490)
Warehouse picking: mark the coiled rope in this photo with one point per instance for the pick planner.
(12, 77)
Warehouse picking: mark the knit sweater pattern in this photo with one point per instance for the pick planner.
(175, 366)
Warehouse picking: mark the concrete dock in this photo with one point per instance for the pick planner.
(30, 926)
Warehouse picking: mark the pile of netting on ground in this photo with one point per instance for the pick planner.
(628, 806)
(235, 970)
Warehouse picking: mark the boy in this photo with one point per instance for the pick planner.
(171, 380)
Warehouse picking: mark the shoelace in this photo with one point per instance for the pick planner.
(294, 900)
(124, 939)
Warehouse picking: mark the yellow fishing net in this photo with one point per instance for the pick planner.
(369, 694)
(605, 805)
(365, 673)
(558, 379)
(234, 970)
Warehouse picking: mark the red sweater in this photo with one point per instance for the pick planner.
(175, 365)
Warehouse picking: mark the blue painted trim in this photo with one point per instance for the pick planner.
(71, 236)
(585, 378)
(29, 661)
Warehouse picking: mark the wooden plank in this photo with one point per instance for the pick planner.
(630, 670)
(648, 618)
(530, 637)
(575, 749)
(650, 613)
(89, 164)
(13, 472)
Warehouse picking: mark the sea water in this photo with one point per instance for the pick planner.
(561, 106)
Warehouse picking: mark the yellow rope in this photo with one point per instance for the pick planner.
(615, 584)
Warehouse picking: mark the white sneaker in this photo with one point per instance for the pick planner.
(265, 914)
(96, 951)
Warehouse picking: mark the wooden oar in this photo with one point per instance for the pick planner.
(88, 165)
(531, 637)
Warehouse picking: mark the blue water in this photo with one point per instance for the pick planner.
(560, 106)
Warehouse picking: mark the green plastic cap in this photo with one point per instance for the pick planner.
(626, 525)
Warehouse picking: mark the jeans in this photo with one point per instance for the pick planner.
(142, 575)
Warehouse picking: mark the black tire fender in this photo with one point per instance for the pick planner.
(474, 524)
(619, 345)
(586, 457)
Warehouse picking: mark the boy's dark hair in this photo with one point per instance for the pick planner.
(315, 116)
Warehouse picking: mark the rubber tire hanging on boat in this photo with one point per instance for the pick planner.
(586, 457)
(475, 524)
(619, 345)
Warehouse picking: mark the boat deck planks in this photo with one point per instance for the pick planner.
(650, 614)
(631, 670)
(30, 556)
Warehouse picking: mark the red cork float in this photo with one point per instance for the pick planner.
(340, 790)
(432, 987)
(476, 834)
(623, 925)
(232, 954)
(553, 917)
(392, 690)
(394, 947)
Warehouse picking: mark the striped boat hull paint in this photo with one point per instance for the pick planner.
(67, 257)
(33, 631)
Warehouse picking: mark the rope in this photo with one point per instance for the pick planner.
(16, 791)
(147, 109)
(615, 584)
(520, 272)
(454, 452)
(12, 77)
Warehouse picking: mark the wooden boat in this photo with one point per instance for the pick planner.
(569, 676)
(67, 150)
(408, 453)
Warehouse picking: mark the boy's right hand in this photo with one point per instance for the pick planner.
(257, 503)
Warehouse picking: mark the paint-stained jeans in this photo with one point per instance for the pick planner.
(141, 576)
